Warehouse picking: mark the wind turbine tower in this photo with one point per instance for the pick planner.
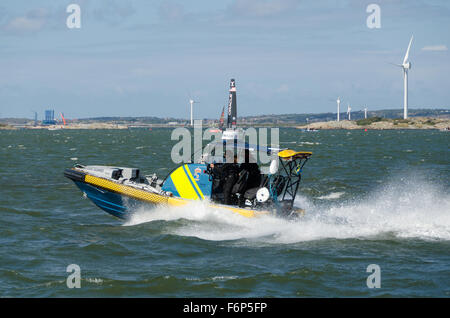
(191, 101)
(338, 107)
(365, 113)
(406, 66)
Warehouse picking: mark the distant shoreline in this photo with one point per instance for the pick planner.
(420, 118)
(377, 123)
(341, 125)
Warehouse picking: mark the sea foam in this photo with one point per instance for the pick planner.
(407, 207)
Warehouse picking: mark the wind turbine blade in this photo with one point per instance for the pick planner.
(399, 65)
(407, 51)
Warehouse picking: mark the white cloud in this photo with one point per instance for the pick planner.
(263, 8)
(113, 12)
(171, 11)
(435, 48)
(283, 88)
(33, 21)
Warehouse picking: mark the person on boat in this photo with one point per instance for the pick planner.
(251, 167)
(226, 174)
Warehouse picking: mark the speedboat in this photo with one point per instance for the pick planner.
(122, 190)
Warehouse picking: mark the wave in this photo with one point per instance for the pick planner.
(331, 196)
(408, 207)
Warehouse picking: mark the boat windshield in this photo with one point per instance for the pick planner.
(227, 150)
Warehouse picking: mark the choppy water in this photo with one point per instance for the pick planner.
(376, 197)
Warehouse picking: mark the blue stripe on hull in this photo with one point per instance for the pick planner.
(113, 203)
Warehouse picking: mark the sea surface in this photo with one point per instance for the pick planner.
(375, 197)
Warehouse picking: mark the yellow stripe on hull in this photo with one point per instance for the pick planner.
(184, 187)
(194, 182)
(161, 199)
(126, 190)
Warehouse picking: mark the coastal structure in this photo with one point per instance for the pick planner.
(49, 117)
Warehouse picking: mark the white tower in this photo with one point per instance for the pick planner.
(349, 111)
(406, 66)
(191, 101)
(338, 107)
(365, 113)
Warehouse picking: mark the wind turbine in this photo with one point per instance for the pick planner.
(338, 107)
(365, 113)
(406, 66)
(191, 101)
(349, 111)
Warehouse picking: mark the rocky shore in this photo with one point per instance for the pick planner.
(6, 127)
(381, 124)
(92, 126)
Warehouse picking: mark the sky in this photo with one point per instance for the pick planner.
(148, 57)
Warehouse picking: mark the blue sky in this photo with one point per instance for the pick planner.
(144, 58)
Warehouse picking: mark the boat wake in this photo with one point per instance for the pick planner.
(408, 207)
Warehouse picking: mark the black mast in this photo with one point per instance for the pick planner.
(232, 107)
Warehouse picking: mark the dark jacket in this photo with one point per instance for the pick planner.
(254, 176)
(224, 170)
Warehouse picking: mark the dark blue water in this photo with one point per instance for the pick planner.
(376, 197)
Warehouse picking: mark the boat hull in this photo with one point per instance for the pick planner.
(121, 200)
(114, 203)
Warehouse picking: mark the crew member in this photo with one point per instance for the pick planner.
(254, 174)
(228, 175)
